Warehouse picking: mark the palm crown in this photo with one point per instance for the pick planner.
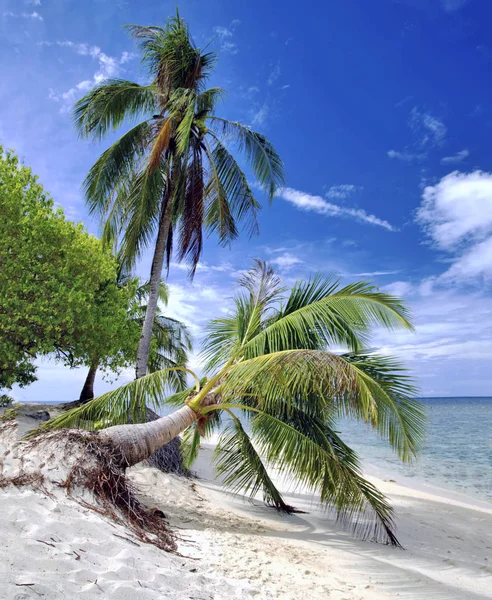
(271, 374)
(172, 174)
(177, 157)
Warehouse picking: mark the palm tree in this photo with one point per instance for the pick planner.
(281, 389)
(172, 175)
(170, 342)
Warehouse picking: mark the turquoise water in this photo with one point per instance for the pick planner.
(458, 450)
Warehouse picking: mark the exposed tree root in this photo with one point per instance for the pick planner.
(82, 462)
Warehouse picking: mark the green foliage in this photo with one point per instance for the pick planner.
(5, 401)
(58, 290)
(282, 390)
(177, 155)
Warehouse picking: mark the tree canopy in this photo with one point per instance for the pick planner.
(58, 290)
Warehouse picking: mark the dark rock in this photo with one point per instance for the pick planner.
(39, 415)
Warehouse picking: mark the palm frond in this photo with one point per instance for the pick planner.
(318, 314)
(240, 466)
(399, 417)
(265, 162)
(126, 403)
(242, 204)
(316, 457)
(114, 168)
(107, 105)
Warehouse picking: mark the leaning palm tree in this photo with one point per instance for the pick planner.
(280, 391)
(172, 175)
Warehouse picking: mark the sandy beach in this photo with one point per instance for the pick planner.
(229, 547)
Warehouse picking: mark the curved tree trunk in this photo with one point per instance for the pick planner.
(155, 279)
(139, 441)
(87, 392)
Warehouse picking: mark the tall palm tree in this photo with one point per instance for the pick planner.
(272, 375)
(172, 174)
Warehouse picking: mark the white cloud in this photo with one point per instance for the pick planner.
(261, 115)
(456, 214)
(406, 156)
(317, 204)
(32, 15)
(456, 158)
(475, 262)
(398, 288)
(223, 32)
(430, 130)
(342, 191)
(286, 261)
(457, 209)
(34, 2)
(109, 67)
(229, 47)
(429, 133)
(274, 75)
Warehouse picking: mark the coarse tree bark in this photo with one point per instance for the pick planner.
(87, 392)
(154, 283)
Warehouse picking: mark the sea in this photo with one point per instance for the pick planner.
(456, 456)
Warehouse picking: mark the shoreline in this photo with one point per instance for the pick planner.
(230, 547)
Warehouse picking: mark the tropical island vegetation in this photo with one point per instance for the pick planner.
(274, 382)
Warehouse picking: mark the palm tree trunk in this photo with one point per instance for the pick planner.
(155, 279)
(87, 392)
(139, 441)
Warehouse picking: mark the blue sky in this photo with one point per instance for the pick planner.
(381, 112)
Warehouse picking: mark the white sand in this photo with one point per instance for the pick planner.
(237, 549)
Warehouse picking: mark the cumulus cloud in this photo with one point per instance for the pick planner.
(456, 214)
(456, 158)
(319, 205)
(457, 209)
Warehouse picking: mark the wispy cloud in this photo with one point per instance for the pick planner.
(274, 74)
(429, 133)
(456, 158)
(225, 34)
(429, 129)
(260, 116)
(108, 66)
(408, 157)
(34, 2)
(341, 192)
(32, 15)
(319, 205)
